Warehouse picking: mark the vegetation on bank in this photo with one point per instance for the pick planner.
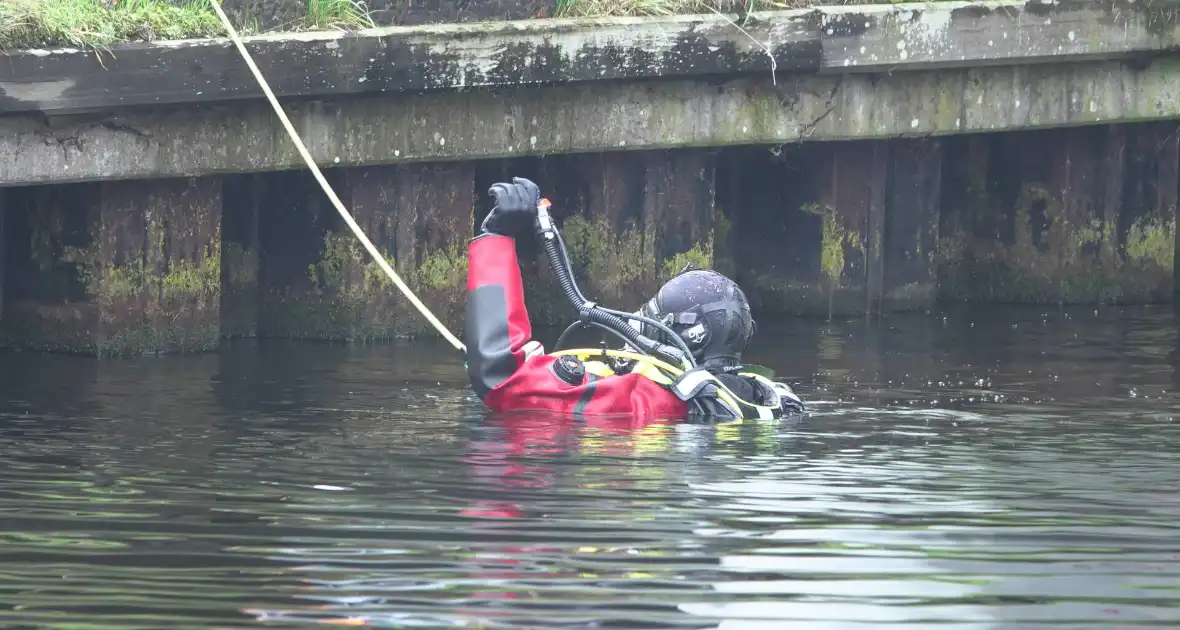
(99, 23)
(604, 8)
(53, 23)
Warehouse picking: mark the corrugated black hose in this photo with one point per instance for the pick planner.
(591, 312)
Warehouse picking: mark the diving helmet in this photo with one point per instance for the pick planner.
(705, 309)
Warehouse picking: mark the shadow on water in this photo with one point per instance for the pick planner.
(980, 468)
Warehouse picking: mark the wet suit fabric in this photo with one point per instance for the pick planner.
(499, 337)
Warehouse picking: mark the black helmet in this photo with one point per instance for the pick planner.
(708, 311)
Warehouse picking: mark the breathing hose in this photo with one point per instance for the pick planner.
(565, 268)
(591, 312)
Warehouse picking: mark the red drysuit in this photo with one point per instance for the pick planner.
(497, 332)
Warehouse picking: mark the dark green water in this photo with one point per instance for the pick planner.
(987, 469)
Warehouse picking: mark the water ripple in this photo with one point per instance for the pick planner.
(979, 471)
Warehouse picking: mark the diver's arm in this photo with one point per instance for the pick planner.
(498, 330)
(507, 368)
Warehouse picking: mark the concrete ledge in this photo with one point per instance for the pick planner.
(919, 36)
(585, 117)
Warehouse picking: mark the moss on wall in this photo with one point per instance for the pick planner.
(352, 299)
(170, 306)
(1061, 262)
(1151, 243)
(609, 261)
(835, 243)
(619, 265)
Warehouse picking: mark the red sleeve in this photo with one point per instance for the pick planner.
(497, 330)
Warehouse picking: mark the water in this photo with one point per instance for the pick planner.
(980, 469)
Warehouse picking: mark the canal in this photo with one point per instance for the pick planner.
(982, 467)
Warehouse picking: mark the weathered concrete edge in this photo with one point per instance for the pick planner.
(586, 118)
(918, 36)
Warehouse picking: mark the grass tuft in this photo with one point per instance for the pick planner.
(336, 14)
(102, 23)
(97, 23)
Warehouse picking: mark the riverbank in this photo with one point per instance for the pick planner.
(837, 161)
(28, 24)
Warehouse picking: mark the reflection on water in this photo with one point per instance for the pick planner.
(980, 469)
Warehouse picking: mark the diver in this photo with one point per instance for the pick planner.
(682, 349)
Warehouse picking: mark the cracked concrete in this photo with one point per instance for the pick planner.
(607, 116)
(824, 40)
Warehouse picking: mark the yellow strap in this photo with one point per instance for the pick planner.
(583, 353)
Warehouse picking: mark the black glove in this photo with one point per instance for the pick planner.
(515, 210)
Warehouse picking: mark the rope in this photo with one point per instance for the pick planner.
(373, 251)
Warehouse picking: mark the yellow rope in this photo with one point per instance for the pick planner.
(373, 251)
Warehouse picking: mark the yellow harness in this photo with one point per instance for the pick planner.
(662, 373)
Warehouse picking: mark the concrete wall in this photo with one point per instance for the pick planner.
(821, 229)
(1083, 215)
(465, 92)
(589, 118)
(862, 160)
(887, 38)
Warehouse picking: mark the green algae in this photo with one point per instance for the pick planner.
(1066, 261)
(1151, 242)
(152, 338)
(351, 298)
(620, 264)
(699, 256)
(181, 281)
(835, 241)
(442, 269)
(128, 278)
(610, 261)
(345, 300)
(142, 310)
